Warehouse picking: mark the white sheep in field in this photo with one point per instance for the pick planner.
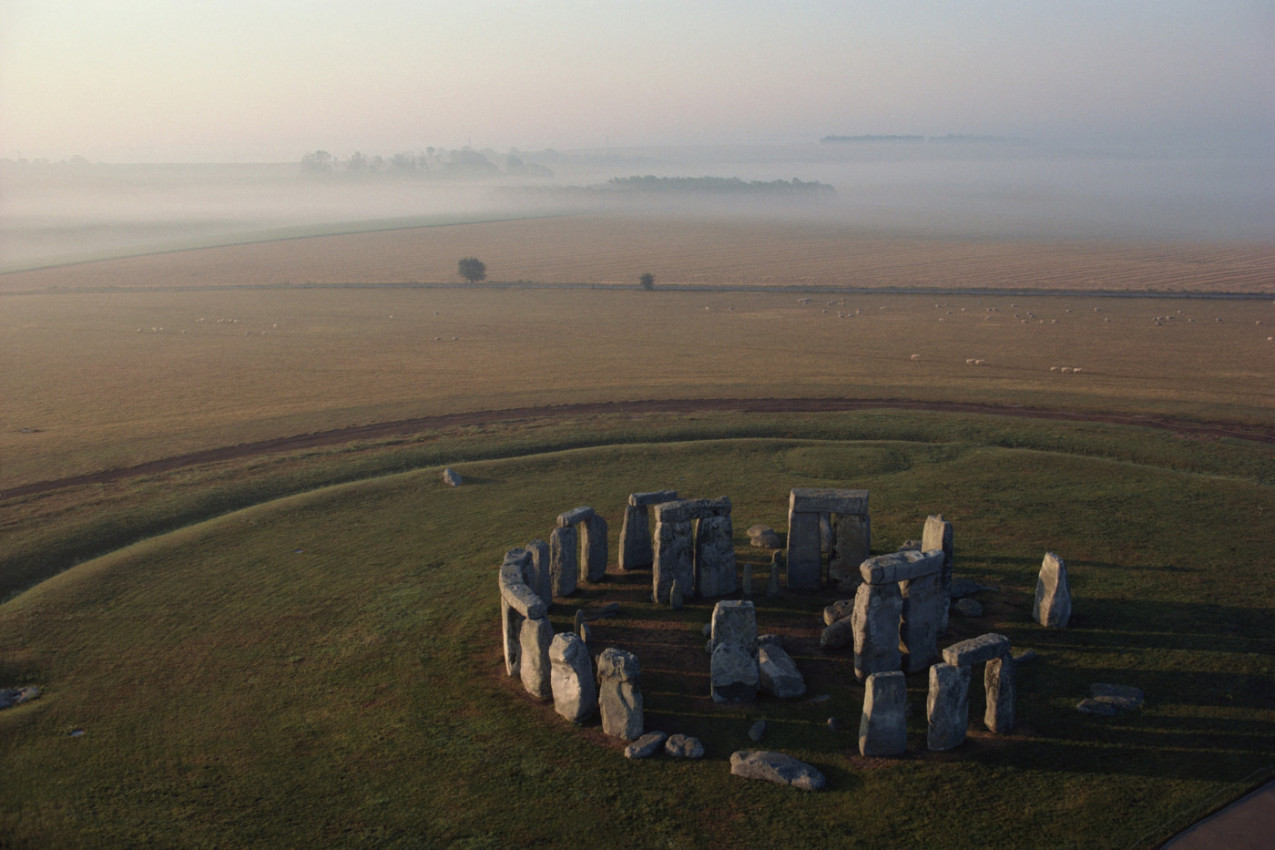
(915, 357)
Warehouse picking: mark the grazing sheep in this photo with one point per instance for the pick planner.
(916, 357)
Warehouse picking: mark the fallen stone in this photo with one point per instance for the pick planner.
(819, 698)
(968, 608)
(451, 477)
(883, 728)
(779, 674)
(839, 610)
(839, 635)
(16, 696)
(1124, 697)
(1100, 708)
(757, 731)
(574, 693)
(977, 650)
(620, 694)
(776, 767)
(1052, 606)
(909, 546)
(684, 747)
(763, 537)
(648, 745)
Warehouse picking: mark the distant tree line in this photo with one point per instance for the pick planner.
(722, 186)
(461, 163)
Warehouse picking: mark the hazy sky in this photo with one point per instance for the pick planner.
(260, 80)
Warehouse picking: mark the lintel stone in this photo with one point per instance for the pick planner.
(686, 510)
(977, 650)
(901, 566)
(574, 516)
(812, 500)
(655, 497)
(514, 590)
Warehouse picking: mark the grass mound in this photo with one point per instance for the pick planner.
(327, 667)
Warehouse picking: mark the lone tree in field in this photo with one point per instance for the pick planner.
(648, 281)
(472, 269)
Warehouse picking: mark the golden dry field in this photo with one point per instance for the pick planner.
(94, 380)
(614, 249)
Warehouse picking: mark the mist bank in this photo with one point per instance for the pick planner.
(62, 212)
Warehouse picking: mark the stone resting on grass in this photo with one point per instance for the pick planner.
(1052, 606)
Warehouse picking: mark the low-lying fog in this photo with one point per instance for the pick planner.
(58, 212)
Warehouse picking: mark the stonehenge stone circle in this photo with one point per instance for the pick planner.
(574, 694)
(883, 728)
(845, 514)
(947, 706)
(776, 767)
(620, 694)
(635, 532)
(1052, 607)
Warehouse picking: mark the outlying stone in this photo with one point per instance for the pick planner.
(451, 477)
(779, 674)
(1052, 607)
(684, 747)
(646, 746)
(883, 729)
(947, 706)
(620, 694)
(977, 650)
(763, 537)
(776, 767)
(574, 694)
(1124, 697)
(16, 696)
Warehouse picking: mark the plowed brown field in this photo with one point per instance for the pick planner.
(616, 249)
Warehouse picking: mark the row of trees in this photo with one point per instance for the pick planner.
(434, 162)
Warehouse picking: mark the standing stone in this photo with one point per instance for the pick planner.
(1052, 607)
(541, 573)
(676, 598)
(451, 477)
(620, 694)
(635, 539)
(998, 678)
(564, 560)
(805, 561)
(594, 544)
(733, 670)
(536, 636)
(772, 584)
(947, 706)
(877, 609)
(883, 728)
(571, 678)
(826, 540)
(714, 557)
(511, 632)
(746, 589)
(673, 559)
(921, 621)
(778, 672)
(852, 545)
(937, 534)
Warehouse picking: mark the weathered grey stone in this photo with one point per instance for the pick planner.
(901, 566)
(655, 497)
(839, 635)
(825, 533)
(451, 477)
(772, 583)
(733, 674)
(977, 650)
(1124, 697)
(513, 590)
(577, 621)
(770, 640)
(541, 573)
(1097, 707)
(827, 501)
(688, 510)
(608, 610)
(1052, 606)
(684, 747)
(585, 633)
(571, 678)
(635, 539)
(883, 729)
(805, 561)
(535, 637)
(564, 560)
(746, 584)
(909, 546)
(674, 559)
(511, 631)
(714, 557)
(947, 706)
(620, 694)
(735, 622)
(998, 678)
(877, 609)
(937, 534)
(776, 767)
(763, 537)
(779, 674)
(839, 610)
(594, 544)
(676, 598)
(968, 607)
(574, 516)
(923, 606)
(757, 731)
(646, 746)
(852, 545)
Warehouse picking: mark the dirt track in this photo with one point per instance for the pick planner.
(401, 427)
